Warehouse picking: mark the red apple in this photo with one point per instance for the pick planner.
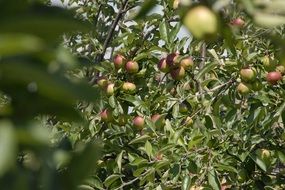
(202, 22)
(163, 66)
(187, 63)
(178, 73)
(158, 120)
(132, 67)
(248, 74)
(238, 22)
(119, 61)
(128, 87)
(273, 77)
(110, 89)
(102, 82)
(172, 60)
(106, 115)
(138, 122)
(243, 88)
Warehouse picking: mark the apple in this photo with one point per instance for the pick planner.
(159, 156)
(196, 188)
(183, 108)
(178, 73)
(238, 22)
(128, 87)
(243, 88)
(102, 82)
(273, 77)
(281, 69)
(267, 63)
(106, 115)
(132, 67)
(138, 122)
(202, 22)
(110, 89)
(158, 120)
(176, 4)
(163, 66)
(119, 61)
(172, 60)
(264, 154)
(256, 85)
(248, 74)
(187, 63)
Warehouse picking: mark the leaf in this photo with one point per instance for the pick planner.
(281, 156)
(223, 167)
(186, 183)
(259, 162)
(111, 179)
(215, 55)
(269, 20)
(145, 8)
(206, 69)
(174, 32)
(195, 140)
(119, 160)
(8, 147)
(148, 148)
(140, 139)
(213, 180)
(163, 30)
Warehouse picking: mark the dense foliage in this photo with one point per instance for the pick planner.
(159, 109)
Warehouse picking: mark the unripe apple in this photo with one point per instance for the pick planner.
(138, 122)
(110, 89)
(163, 66)
(183, 108)
(202, 22)
(281, 69)
(106, 115)
(119, 61)
(243, 88)
(178, 73)
(158, 120)
(187, 63)
(196, 188)
(176, 4)
(102, 82)
(267, 63)
(248, 74)
(132, 67)
(265, 154)
(238, 22)
(128, 87)
(273, 77)
(172, 60)
(256, 85)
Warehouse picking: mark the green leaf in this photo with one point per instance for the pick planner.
(281, 156)
(213, 180)
(111, 179)
(259, 162)
(145, 8)
(119, 160)
(148, 148)
(206, 69)
(140, 139)
(223, 167)
(269, 20)
(8, 147)
(195, 141)
(174, 32)
(163, 30)
(186, 183)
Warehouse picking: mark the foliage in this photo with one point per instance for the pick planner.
(209, 135)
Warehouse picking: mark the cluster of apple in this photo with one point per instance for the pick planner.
(175, 65)
(249, 81)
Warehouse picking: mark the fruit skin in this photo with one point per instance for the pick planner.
(163, 66)
(176, 4)
(138, 122)
(281, 69)
(178, 73)
(106, 115)
(267, 64)
(183, 108)
(132, 67)
(110, 89)
(256, 85)
(187, 63)
(158, 120)
(264, 154)
(248, 74)
(119, 61)
(188, 122)
(243, 88)
(273, 77)
(128, 87)
(238, 22)
(102, 82)
(172, 60)
(202, 22)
